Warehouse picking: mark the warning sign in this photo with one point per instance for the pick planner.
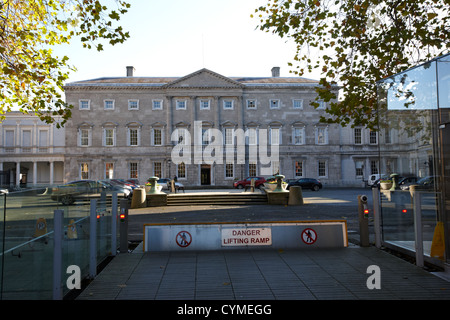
(183, 239)
(246, 237)
(309, 236)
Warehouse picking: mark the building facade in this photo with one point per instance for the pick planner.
(208, 129)
(32, 151)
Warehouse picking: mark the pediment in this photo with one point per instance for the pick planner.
(204, 78)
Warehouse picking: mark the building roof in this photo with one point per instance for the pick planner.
(131, 81)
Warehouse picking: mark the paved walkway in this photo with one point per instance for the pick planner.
(308, 274)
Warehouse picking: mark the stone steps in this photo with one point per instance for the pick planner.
(216, 199)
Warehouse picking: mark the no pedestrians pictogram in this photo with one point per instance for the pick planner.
(183, 239)
(309, 236)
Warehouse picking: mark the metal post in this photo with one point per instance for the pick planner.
(123, 226)
(376, 216)
(114, 224)
(363, 221)
(93, 240)
(57, 254)
(417, 200)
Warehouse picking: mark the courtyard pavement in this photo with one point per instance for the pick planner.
(351, 273)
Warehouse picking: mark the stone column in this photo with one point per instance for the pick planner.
(51, 172)
(34, 173)
(18, 173)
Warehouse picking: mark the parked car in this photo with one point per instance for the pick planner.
(81, 189)
(428, 182)
(406, 181)
(373, 178)
(259, 181)
(127, 192)
(306, 183)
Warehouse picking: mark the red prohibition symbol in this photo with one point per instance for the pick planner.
(309, 236)
(183, 239)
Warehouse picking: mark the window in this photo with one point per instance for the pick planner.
(298, 135)
(9, 141)
(228, 104)
(182, 134)
(275, 136)
(133, 104)
(26, 141)
(229, 136)
(109, 170)
(321, 135)
(357, 133)
(229, 171)
(388, 137)
(359, 168)
(274, 104)
(373, 137)
(84, 104)
(108, 104)
(133, 170)
(322, 104)
(133, 137)
(252, 136)
(251, 104)
(322, 168)
(299, 168)
(252, 168)
(43, 140)
(181, 170)
(157, 169)
(84, 171)
(204, 104)
(157, 137)
(181, 105)
(84, 137)
(275, 167)
(157, 104)
(297, 104)
(373, 167)
(109, 140)
(206, 136)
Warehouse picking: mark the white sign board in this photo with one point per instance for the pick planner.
(246, 237)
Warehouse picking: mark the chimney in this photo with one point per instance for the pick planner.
(130, 71)
(275, 71)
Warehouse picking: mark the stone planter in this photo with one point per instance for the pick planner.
(385, 185)
(158, 189)
(273, 186)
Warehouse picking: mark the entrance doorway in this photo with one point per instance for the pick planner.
(205, 174)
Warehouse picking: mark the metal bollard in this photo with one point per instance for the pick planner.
(123, 229)
(363, 214)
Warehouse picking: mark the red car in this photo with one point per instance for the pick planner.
(259, 181)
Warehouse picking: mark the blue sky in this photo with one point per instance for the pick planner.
(178, 37)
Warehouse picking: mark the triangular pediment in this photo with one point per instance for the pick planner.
(204, 78)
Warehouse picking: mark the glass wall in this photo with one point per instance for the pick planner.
(27, 237)
(414, 122)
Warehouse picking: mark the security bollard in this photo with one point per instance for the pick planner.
(363, 213)
(123, 229)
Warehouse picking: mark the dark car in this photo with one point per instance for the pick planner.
(306, 183)
(68, 193)
(406, 181)
(259, 181)
(428, 182)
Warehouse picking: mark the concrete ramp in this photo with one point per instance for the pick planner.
(242, 235)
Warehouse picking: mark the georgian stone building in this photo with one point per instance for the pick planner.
(133, 127)
(32, 151)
